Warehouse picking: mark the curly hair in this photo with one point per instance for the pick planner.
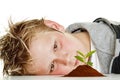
(14, 46)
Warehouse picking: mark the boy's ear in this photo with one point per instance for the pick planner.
(58, 27)
(54, 25)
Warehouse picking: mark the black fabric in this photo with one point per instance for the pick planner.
(80, 30)
(116, 65)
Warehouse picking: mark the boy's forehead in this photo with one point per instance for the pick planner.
(46, 35)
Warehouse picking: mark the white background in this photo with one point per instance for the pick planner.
(64, 12)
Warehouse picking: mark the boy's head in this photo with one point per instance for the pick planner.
(15, 45)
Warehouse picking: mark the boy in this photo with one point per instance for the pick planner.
(40, 47)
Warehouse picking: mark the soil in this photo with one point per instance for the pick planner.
(84, 71)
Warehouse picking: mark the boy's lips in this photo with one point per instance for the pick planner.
(76, 61)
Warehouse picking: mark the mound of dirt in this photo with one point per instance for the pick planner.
(84, 71)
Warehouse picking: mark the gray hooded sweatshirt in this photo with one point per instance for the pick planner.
(103, 37)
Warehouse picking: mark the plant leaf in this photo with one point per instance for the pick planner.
(90, 53)
(80, 58)
(89, 63)
(81, 53)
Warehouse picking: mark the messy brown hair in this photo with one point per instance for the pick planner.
(14, 46)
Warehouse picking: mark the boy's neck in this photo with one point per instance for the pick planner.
(85, 38)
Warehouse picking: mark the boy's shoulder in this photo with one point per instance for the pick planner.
(114, 26)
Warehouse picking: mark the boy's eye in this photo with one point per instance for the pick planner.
(52, 67)
(55, 46)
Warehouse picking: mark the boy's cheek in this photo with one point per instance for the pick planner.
(62, 71)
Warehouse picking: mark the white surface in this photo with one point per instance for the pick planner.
(63, 11)
(108, 77)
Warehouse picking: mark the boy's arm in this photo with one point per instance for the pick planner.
(115, 27)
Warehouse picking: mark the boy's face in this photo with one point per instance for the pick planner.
(53, 53)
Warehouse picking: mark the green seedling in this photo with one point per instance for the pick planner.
(83, 57)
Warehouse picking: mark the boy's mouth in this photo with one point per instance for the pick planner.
(76, 62)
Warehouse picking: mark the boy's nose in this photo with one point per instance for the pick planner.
(63, 60)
